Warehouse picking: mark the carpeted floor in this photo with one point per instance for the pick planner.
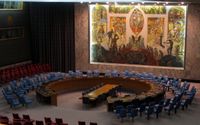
(70, 108)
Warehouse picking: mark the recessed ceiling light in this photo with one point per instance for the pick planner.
(182, 3)
(166, 2)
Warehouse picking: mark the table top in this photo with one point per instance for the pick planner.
(104, 89)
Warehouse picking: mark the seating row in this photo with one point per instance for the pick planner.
(26, 120)
(115, 73)
(182, 98)
(15, 93)
(17, 72)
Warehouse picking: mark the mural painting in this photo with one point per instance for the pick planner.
(176, 31)
(142, 35)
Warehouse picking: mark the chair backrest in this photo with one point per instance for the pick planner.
(64, 124)
(47, 120)
(16, 116)
(39, 123)
(93, 123)
(81, 123)
(59, 121)
(28, 123)
(26, 117)
(4, 120)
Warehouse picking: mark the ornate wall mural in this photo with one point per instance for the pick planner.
(142, 35)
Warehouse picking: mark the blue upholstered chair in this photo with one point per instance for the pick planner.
(108, 73)
(169, 108)
(148, 111)
(96, 73)
(158, 109)
(132, 112)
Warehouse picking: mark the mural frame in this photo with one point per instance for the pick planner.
(135, 65)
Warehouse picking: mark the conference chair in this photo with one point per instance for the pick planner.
(184, 103)
(169, 108)
(158, 109)
(16, 117)
(93, 123)
(117, 109)
(27, 118)
(96, 73)
(89, 73)
(39, 122)
(122, 114)
(148, 111)
(25, 100)
(4, 120)
(132, 113)
(81, 123)
(59, 121)
(48, 120)
(28, 123)
(141, 108)
(64, 124)
(176, 106)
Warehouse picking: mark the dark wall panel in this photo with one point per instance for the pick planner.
(15, 50)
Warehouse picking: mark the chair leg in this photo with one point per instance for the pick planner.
(156, 115)
(168, 112)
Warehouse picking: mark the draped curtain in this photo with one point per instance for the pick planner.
(52, 35)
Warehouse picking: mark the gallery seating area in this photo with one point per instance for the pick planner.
(27, 120)
(16, 72)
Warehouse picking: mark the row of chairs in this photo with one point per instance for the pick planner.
(89, 73)
(15, 92)
(168, 105)
(26, 120)
(17, 72)
(116, 73)
(107, 73)
(183, 96)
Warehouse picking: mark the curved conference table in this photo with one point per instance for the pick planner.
(143, 90)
